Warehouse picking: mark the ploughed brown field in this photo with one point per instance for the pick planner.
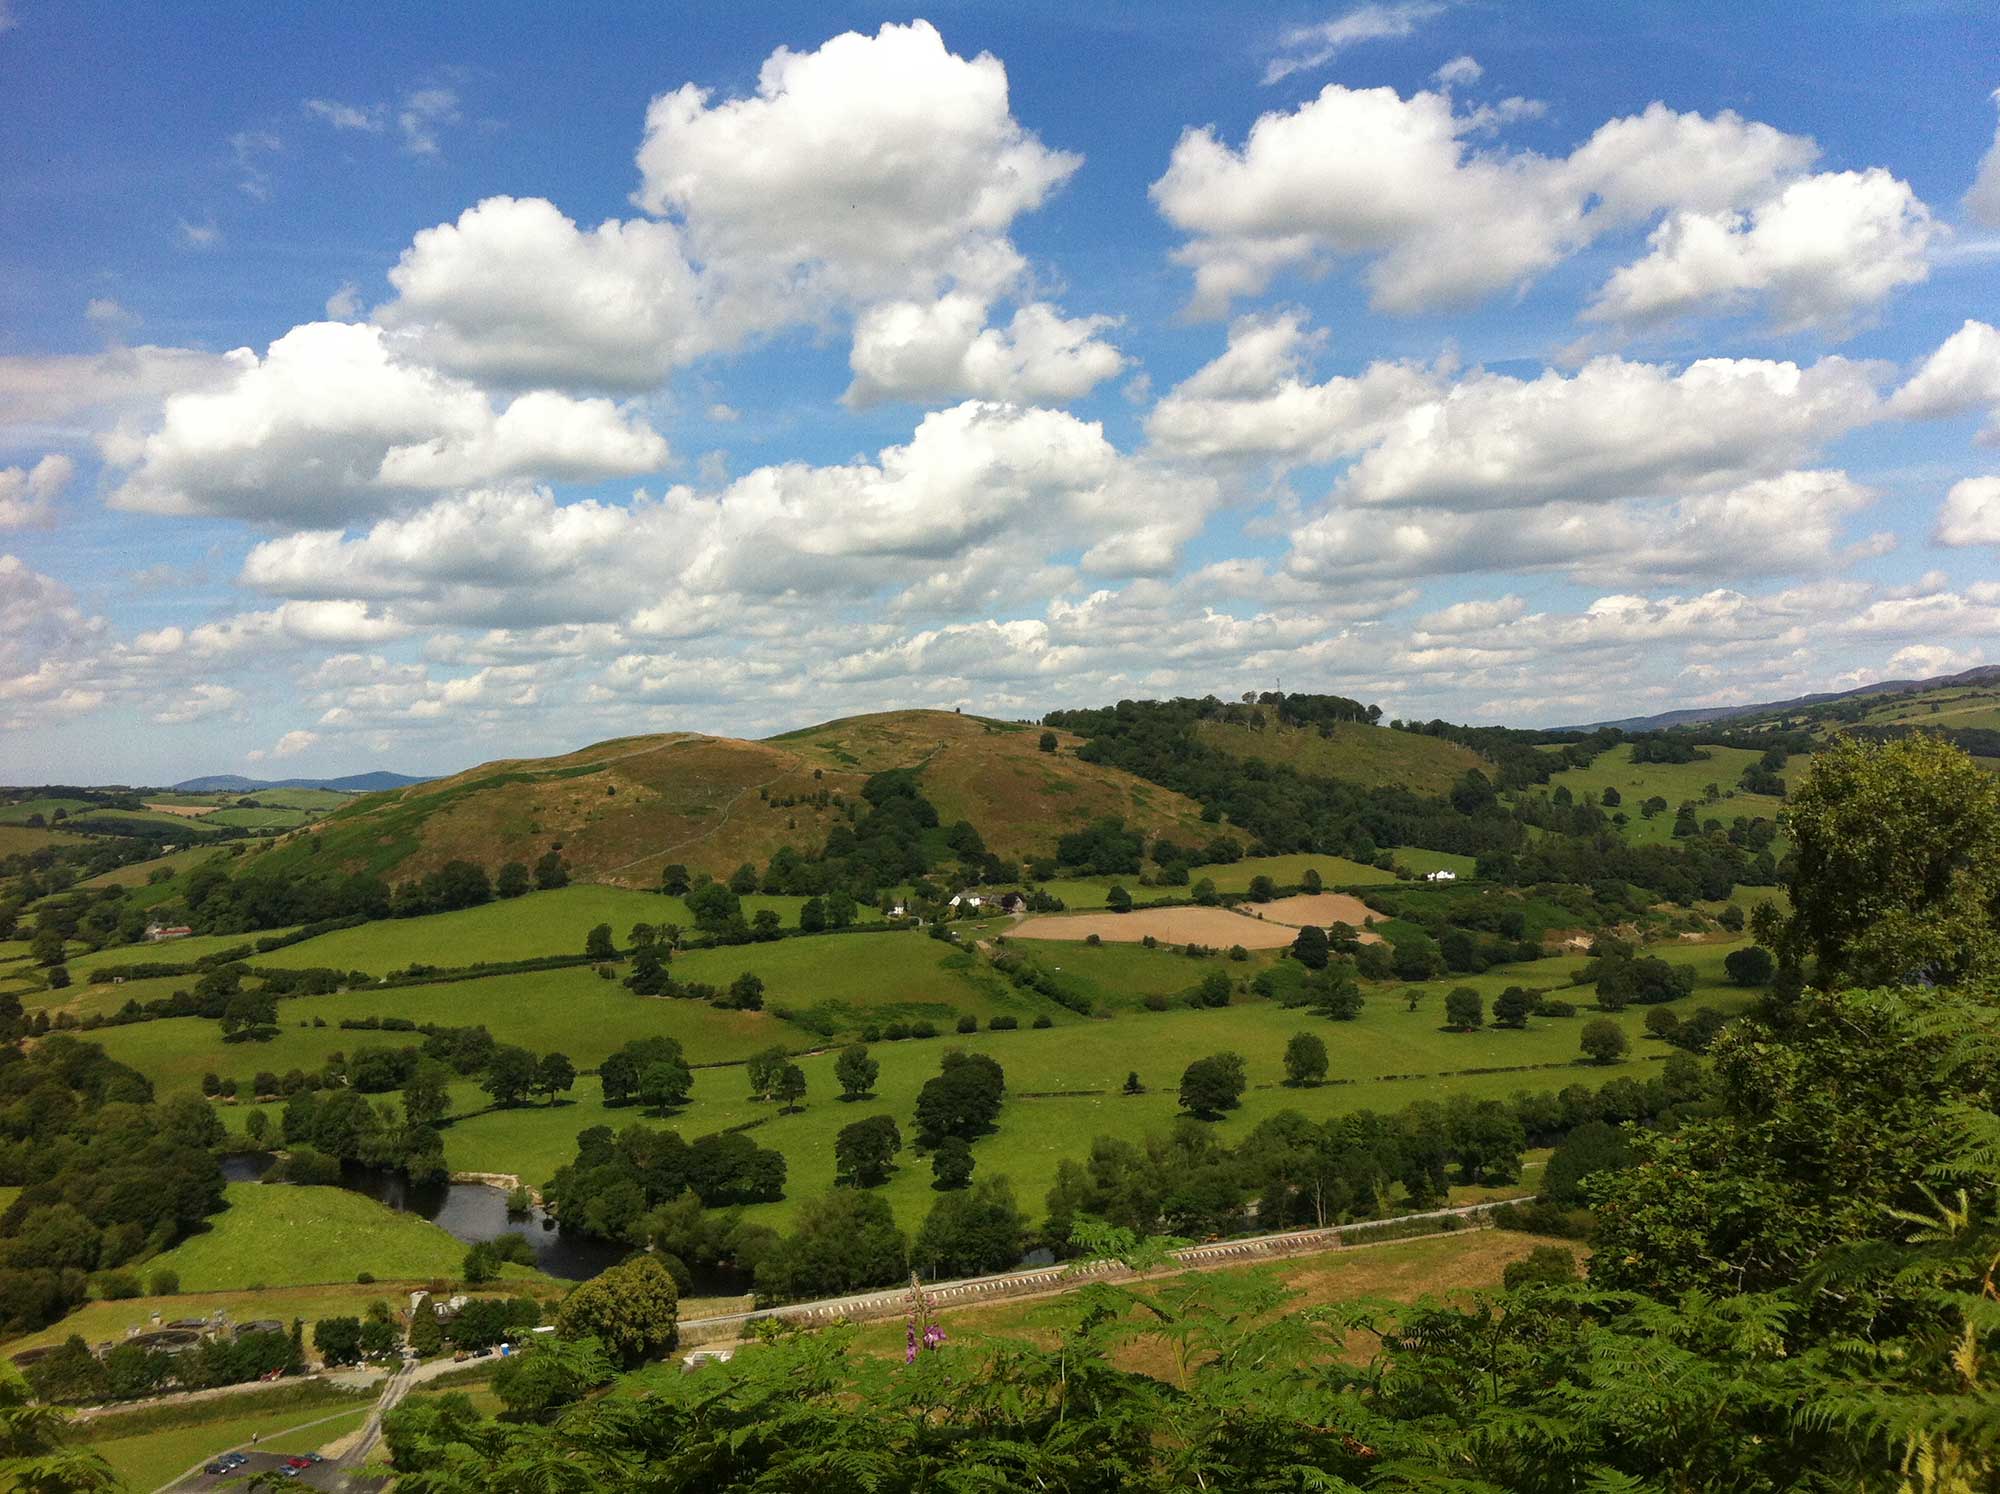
(185, 811)
(1317, 908)
(1216, 926)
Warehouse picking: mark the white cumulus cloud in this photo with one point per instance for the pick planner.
(328, 424)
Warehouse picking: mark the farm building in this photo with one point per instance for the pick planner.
(157, 932)
(1441, 876)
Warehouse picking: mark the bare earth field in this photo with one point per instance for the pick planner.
(1318, 909)
(1216, 926)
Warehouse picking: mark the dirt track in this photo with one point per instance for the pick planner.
(1216, 926)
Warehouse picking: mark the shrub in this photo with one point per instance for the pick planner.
(1603, 1040)
(968, 1023)
(1043, 1021)
(1156, 1002)
(923, 1030)
(1003, 1024)
(1545, 1265)
(364, 1278)
(1463, 1009)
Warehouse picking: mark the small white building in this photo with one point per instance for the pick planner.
(1441, 876)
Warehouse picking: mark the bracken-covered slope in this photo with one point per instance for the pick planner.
(1372, 756)
(623, 810)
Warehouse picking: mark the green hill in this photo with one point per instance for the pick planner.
(622, 810)
(1369, 755)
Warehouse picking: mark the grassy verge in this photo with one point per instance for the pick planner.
(274, 1235)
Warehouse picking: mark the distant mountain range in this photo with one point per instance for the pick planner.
(354, 783)
(1985, 674)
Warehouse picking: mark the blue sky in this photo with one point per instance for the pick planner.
(410, 386)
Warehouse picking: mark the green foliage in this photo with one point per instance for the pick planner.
(1603, 1040)
(1212, 1085)
(971, 1232)
(1898, 848)
(631, 1310)
(1305, 1059)
(1464, 1009)
(865, 1150)
(856, 1072)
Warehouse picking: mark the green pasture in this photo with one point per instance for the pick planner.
(1088, 1063)
(522, 928)
(271, 817)
(175, 1052)
(171, 952)
(140, 817)
(1081, 894)
(1370, 755)
(135, 876)
(25, 840)
(81, 999)
(274, 1234)
(1418, 860)
(1676, 783)
(571, 1010)
(18, 812)
(1118, 976)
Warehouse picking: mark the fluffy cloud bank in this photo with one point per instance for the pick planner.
(1368, 174)
(876, 177)
(329, 425)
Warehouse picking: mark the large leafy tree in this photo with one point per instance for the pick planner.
(1898, 849)
(632, 1310)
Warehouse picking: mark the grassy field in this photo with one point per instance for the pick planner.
(1231, 879)
(1370, 755)
(851, 980)
(172, 951)
(25, 840)
(276, 1235)
(1064, 1082)
(137, 874)
(198, 824)
(1420, 861)
(522, 928)
(19, 812)
(284, 1420)
(81, 999)
(1674, 782)
(270, 817)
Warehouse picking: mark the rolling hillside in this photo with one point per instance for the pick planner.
(1368, 755)
(622, 810)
